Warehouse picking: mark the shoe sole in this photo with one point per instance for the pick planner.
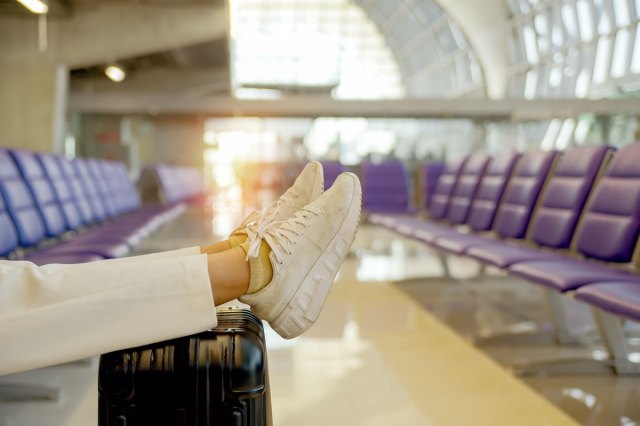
(305, 306)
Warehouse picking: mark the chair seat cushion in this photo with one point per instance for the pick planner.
(113, 234)
(43, 258)
(387, 220)
(106, 249)
(389, 208)
(502, 255)
(421, 229)
(567, 274)
(458, 243)
(618, 298)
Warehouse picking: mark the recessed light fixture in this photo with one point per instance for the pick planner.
(35, 6)
(115, 73)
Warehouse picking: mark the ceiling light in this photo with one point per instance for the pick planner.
(115, 73)
(35, 6)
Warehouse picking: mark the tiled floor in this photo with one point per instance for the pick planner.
(386, 353)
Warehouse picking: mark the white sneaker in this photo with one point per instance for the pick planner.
(308, 186)
(307, 251)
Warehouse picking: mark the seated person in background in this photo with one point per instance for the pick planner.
(281, 263)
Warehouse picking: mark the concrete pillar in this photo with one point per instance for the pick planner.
(33, 100)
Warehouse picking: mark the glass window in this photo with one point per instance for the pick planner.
(331, 47)
(604, 16)
(635, 58)
(531, 48)
(569, 20)
(621, 8)
(619, 64)
(602, 60)
(585, 19)
(582, 84)
(549, 140)
(582, 131)
(565, 135)
(543, 32)
(531, 84)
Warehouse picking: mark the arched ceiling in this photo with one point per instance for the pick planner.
(446, 47)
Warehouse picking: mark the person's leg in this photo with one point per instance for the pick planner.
(229, 275)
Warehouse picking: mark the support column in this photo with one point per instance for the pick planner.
(33, 99)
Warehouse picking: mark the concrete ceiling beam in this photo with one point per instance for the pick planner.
(169, 80)
(515, 109)
(112, 31)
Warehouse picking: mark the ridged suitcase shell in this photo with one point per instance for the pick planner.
(218, 377)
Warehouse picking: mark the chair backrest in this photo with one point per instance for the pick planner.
(61, 188)
(8, 235)
(19, 202)
(90, 187)
(521, 194)
(385, 187)
(608, 230)
(429, 174)
(466, 187)
(42, 191)
(77, 190)
(331, 170)
(102, 186)
(129, 197)
(441, 197)
(490, 191)
(111, 178)
(565, 195)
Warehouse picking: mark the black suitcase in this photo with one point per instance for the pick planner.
(218, 377)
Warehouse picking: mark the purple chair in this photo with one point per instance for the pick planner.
(52, 213)
(613, 302)
(491, 190)
(557, 215)
(441, 197)
(26, 221)
(485, 182)
(61, 189)
(429, 175)
(385, 188)
(607, 232)
(78, 192)
(516, 205)
(19, 203)
(103, 187)
(8, 234)
(428, 178)
(90, 189)
(453, 196)
(332, 170)
(41, 191)
(465, 188)
(621, 299)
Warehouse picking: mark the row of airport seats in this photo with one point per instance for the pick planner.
(53, 210)
(566, 221)
(385, 186)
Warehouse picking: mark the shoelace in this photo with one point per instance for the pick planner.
(283, 233)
